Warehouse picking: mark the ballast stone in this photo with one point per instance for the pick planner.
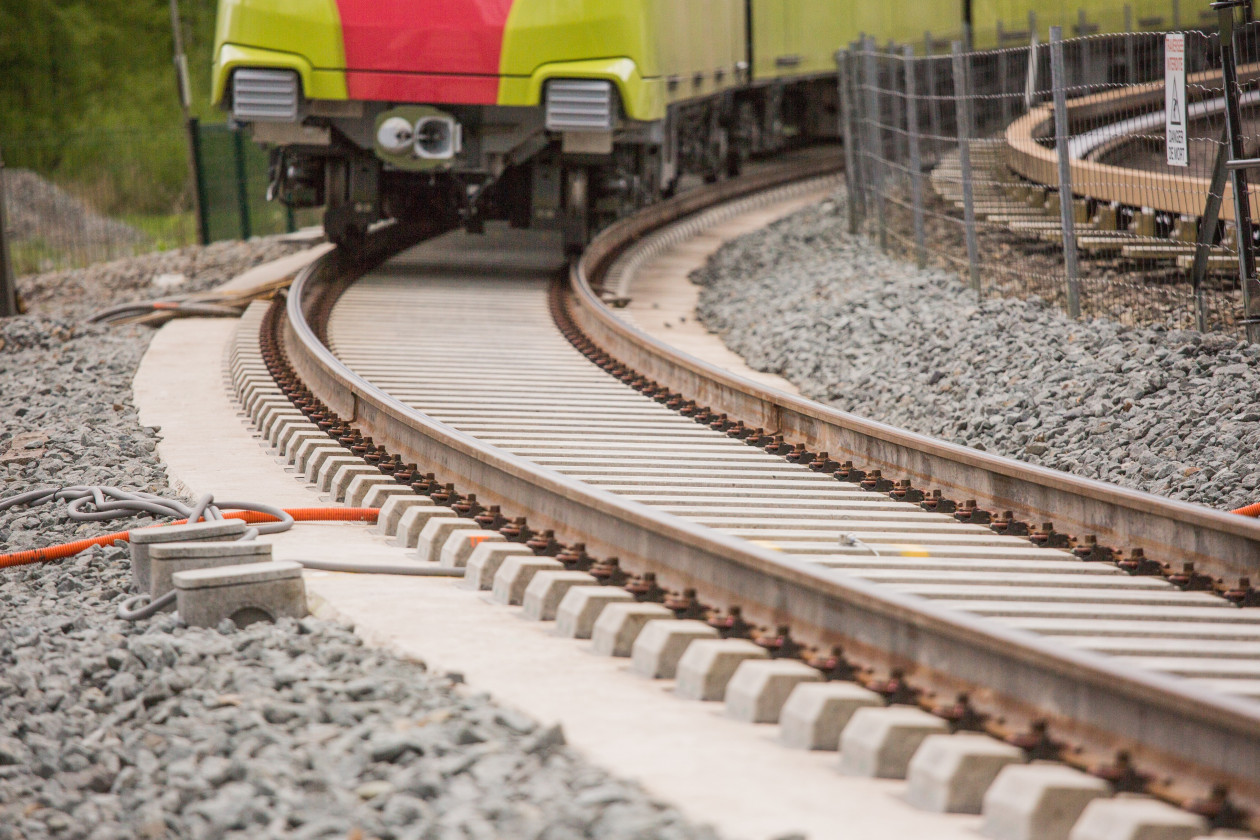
(1038, 801)
(816, 713)
(167, 559)
(547, 589)
(759, 688)
(515, 574)
(619, 625)
(142, 538)
(244, 593)
(581, 607)
(487, 559)
(879, 742)
(662, 643)
(1136, 818)
(950, 773)
(708, 664)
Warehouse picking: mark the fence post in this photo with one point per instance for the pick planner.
(1061, 132)
(962, 99)
(242, 183)
(876, 144)
(1238, 174)
(199, 180)
(852, 176)
(934, 104)
(1130, 71)
(916, 162)
(8, 288)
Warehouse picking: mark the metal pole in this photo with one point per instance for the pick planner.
(190, 122)
(1130, 71)
(1176, 15)
(934, 103)
(1061, 132)
(199, 181)
(1207, 230)
(916, 163)
(242, 184)
(8, 288)
(875, 144)
(852, 177)
(962, 101)
(1238, 177)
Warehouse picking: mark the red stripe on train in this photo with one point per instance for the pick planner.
(454, 46)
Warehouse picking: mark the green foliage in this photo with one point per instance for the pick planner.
(89, 96)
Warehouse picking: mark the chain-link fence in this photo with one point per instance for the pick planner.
(70, 201)
(958, 158)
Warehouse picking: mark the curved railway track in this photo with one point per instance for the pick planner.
(868, 552)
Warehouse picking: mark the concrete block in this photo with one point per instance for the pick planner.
(708, 665)
(546, 589)
(486, 560)
(619, 624)
(516, 573)
(347, 473)
(759, 688)
(311, 451)
(293, 440)
(394, 507)
(361, 485)
(285, 426)
(413, 520)
(141, 538)
(265, 402)
(275, 422)
(165, 559)
(435, 533)
(816, 713)
(323, 470)
(1038, 801)
(661, 644)
(879, 743)
(580, 608)
(378, 494)
(1136, 818)
(287, 435)
(950, 773)
(460, 545)
(245, 593)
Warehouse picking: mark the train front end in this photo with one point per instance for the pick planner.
(462, 109)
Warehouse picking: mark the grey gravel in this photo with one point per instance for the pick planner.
(1163, 410)
(113, 730)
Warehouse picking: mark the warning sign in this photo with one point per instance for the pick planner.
(1175, 100)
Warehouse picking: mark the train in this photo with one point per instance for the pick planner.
(560, 114)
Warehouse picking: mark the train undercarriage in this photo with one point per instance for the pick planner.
(466, 165)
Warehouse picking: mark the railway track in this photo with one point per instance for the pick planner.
(1106, 651)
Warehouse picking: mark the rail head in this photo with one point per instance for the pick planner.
(1083, 696)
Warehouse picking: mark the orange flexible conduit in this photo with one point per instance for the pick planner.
(1249, 510)
(59, 552)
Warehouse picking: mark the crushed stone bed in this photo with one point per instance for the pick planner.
(111, 729)
(1167, 411)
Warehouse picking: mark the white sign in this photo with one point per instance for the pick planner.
(1175, 100)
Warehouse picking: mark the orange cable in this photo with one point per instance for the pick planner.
(1249, 510)
(253, 517)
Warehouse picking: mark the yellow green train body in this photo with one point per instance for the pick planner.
(548, 112)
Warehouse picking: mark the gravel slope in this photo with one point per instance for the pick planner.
(1167, 411)
(110, 729)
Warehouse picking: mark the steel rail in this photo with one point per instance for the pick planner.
(1087, 699)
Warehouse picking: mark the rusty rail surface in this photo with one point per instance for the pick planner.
(1087, 700)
